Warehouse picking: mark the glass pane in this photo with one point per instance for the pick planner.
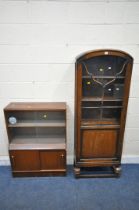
(37, 132)
(118, 91)
(104, 65)
(91, 88)
(112, 103)
(90, 114)
(114, 89)
(112, 113)
(21, 116)
(92, 104)
(48, 115)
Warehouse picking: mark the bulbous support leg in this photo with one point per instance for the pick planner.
(77, 172)
(117, 170)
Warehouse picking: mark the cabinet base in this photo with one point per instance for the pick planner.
(39, 174)
(96, 172)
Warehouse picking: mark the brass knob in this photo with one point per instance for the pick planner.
(62, 155)
(13, 160)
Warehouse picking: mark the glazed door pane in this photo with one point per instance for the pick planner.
(104, 65)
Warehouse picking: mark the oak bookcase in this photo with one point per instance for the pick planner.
(102, 83)
(37, 138)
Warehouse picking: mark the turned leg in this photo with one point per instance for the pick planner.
(77, 171)
(117, 170)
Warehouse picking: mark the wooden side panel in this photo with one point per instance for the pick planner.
(53, 160)
(24, 160)
(125, 105)
(99, 144)
(78, 97)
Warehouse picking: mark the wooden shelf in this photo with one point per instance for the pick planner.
(103, 107)
(40, 123)
(103, 77)
(101, 99)
(103, 121)
(36, 106)
(47, 142)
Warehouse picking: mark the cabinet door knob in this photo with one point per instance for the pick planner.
(62, 155)
(13, 162)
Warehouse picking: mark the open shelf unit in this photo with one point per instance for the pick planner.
(37, 129)
(101, 96)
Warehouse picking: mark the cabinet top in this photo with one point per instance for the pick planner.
(105, 52)
(35, 106)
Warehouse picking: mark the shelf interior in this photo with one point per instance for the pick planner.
(103, 121)
(90, 98)
(101, 110)
(39, 123)
(36, 134)
(38, 142)
(34, 118)
(102, 76)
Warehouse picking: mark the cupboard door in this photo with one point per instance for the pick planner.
(99, 143)
(24, 160)
(52, 160)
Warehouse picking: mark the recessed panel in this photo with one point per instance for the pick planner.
(98, 143)
(25, 160)
(52, 160)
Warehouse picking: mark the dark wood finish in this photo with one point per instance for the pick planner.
(35, 106)
(52, 160)
(102, 83)
(98, 143)
(37, 141)
(38, 162)
(22, 160)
